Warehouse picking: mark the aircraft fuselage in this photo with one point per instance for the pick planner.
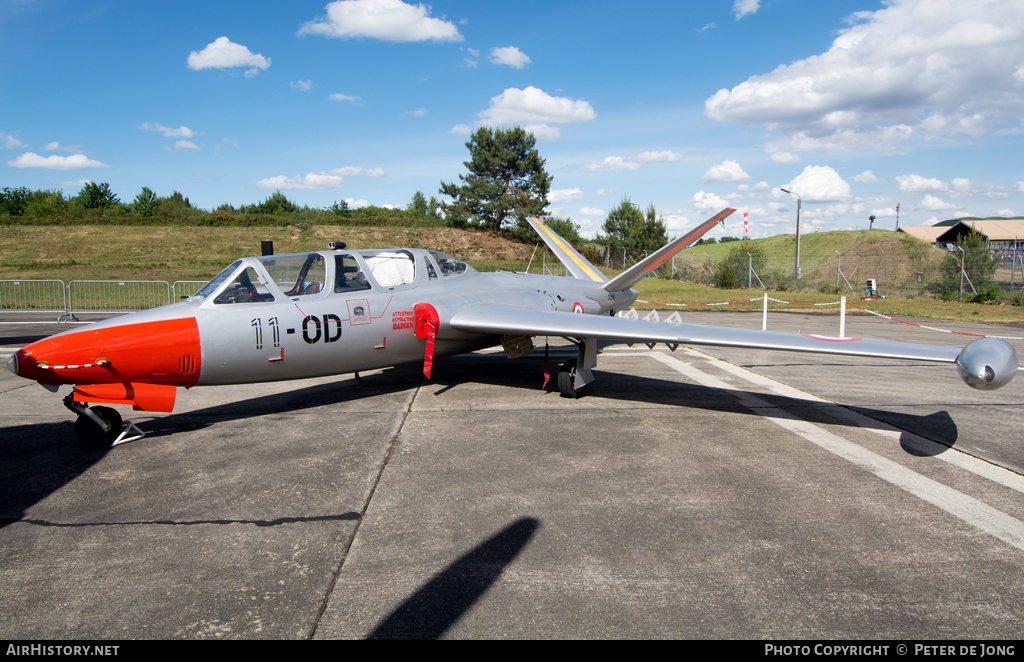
(223, 339)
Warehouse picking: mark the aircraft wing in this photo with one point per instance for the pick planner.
(500, 320)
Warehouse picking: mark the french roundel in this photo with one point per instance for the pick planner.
(577, 308)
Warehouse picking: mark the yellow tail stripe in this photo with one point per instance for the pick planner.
(568, 251)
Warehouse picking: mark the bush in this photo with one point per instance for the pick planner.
(14, 200)
(277, 203)
(725, 274)
(41, 204)
(735, 268)
(988, 294)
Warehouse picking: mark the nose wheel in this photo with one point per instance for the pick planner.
(98, 435)
(101, 427)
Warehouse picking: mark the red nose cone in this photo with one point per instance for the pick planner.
(161, 352)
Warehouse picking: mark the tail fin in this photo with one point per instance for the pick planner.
(577, 265)
(638, 271)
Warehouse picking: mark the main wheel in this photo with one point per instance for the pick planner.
(93, 435)
(567, 381)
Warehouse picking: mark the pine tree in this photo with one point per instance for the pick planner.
(506, 181)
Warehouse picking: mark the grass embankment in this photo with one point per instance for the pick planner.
(170, 253)
(181, 252)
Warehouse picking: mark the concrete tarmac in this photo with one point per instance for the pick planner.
(691, 494)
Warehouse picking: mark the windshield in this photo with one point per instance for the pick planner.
(218, 280)
(449, 265)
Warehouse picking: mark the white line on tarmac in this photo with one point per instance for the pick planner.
(958, 504)
(953, 456)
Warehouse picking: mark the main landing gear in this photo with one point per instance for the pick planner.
(101, 427)
(567, 381)
(575, 374)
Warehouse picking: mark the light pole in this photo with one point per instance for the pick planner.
(799, 202)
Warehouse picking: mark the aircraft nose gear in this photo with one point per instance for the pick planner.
(101, 427)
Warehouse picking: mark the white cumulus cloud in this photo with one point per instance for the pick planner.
(535, 110)
(726, 171)
(344, 97)
(388, 20)
(222, 53)
(10, 142)
(820, 184)
(33, 161)
(709, 203)
(180, 132)
(318, 180)
(462, 129)
(312, 180)
(910, 72)
(932, 203)
(659, 156)
(353, 171)
(510, 56)
(612, 163)
(743, 7)
(866, 177)
(914, 183)
(783, 157)
(184, 146)
(559, 196)
(962, 185)
(57, 147)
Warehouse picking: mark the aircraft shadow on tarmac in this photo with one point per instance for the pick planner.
(435, 607)
(41, 458)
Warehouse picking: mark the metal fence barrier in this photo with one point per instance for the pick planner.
(33, 296)
(116, 296)
(185, 288)
(90, 296)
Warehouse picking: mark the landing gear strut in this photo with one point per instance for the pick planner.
(101, 427)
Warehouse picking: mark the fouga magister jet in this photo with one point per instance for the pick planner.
(339, 311)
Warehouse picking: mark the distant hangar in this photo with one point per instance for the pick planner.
(999, 232)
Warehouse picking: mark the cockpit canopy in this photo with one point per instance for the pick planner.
(305, 276)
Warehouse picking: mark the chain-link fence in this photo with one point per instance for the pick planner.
(896, 274)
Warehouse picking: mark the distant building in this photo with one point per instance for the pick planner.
(1000, 233)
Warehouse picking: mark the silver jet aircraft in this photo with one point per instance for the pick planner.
(338, 311)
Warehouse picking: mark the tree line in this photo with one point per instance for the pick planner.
(97, 203)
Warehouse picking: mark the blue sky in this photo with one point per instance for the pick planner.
(856, 105)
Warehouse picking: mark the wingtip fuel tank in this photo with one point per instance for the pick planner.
(987, 363)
